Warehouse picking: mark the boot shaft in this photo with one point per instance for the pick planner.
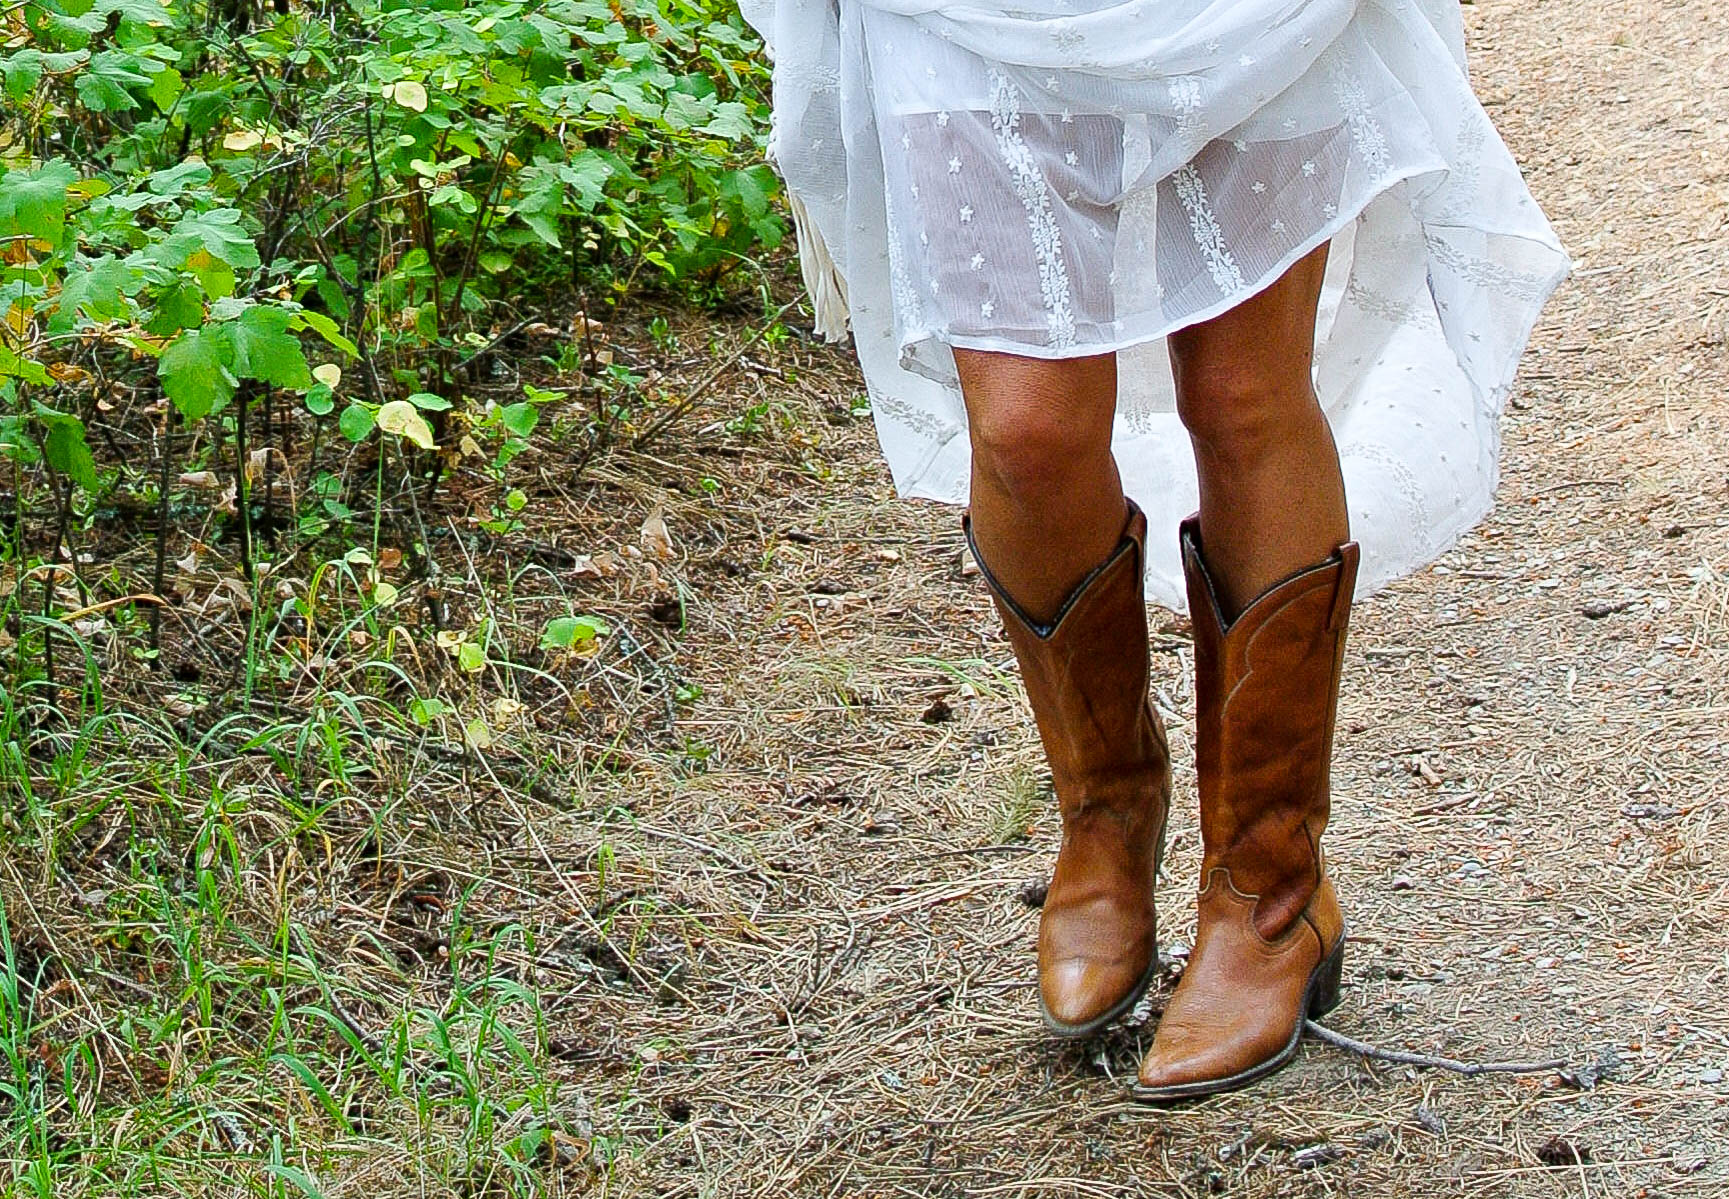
(1086, 673)
(1266, 694)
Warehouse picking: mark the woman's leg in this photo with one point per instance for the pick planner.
(1270, 577)
(1047, 505)
(1063, 553)
(1272, 497)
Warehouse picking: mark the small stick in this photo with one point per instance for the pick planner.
(1400, 1057)
(93, 609)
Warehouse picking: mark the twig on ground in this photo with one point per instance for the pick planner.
(93, 609)
(1400, 1057)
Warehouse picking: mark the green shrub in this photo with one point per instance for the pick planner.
(204, 193)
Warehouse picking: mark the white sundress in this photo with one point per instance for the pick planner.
(1069, 177)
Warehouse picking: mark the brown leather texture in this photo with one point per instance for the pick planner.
(1241, 996)
(1266, 693)
(1087, 678)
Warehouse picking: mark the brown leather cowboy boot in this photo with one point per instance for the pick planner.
(1271, 938)
(1086, 674)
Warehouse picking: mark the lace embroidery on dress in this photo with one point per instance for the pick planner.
(919, 420)
(1204, 223)
(909, 311)
(1373, 303)
(1186, 99)
(1029, 184)
(1485, 272)
(1366, 136)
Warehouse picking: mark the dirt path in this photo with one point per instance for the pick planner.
(1529, 831)
(738, 902)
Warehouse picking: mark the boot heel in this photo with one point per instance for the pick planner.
(1329, 977)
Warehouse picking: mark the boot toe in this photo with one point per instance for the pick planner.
(1080, 992)
(1172, 1068)
(1198, 1060)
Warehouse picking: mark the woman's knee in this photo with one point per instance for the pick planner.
(1243, 407)
(1035, 425)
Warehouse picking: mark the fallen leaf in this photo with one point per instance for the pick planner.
(204, 480)
(656, 537)
(594, 566)
(259, 460)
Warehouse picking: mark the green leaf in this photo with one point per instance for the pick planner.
(425, 711)
(470, 657)
(587, 173)
(356, 422)
(731, 121)
(194, 172)
(683, 111)
(428, 402)
(751, 189)
(567, 632)
(194, 373)
(23, 72)
(519, 418)
(265, 350)
(178, 306)
(34, 202)
(67, 453)
(330, 331)
(26, 369)
(320, 401)
(95, 293)
(166, 89)
(16, 444)
(217, 233)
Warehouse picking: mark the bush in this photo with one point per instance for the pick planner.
(196, 195)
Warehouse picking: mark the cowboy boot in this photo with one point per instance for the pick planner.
(1086, 674)
(1270, 941)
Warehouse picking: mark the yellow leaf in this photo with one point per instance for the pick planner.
(242, 140)
(404, 419)
(410, 94)
(328, 374)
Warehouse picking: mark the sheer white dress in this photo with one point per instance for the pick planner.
(1068, 177)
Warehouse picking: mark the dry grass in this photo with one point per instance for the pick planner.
(777, 944)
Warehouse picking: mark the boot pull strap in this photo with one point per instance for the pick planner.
(1345, 589)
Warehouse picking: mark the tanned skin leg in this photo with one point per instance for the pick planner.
(1047, 503)
(1272, 496)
